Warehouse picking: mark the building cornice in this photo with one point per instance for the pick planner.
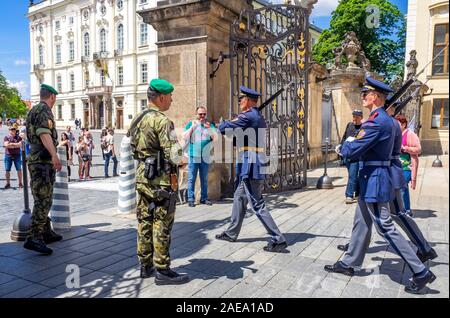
(438, 5)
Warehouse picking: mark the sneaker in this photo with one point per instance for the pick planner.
(225, 237)
(169, 277)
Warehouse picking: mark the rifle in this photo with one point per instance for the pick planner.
(402, 90)
(273, 97)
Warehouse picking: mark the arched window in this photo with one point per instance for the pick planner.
(41, 54)
(102, 40)
(120, 37)
(87, 50)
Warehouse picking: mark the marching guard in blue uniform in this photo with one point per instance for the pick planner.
(249, 171)
(374, 146)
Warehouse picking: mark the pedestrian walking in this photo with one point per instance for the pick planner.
(13, 155)
(109, 153)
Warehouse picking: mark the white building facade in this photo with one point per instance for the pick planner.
(98, 54)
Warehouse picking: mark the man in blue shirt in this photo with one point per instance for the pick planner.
(200, 134)
(374, 146)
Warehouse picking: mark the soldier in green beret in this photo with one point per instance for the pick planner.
(155, 145)
(43, 162)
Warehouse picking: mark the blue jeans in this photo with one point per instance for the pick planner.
(352, 185)
(193, 170)
(114, 159)
(405, 191)
(9, 162)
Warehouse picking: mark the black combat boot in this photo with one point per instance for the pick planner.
(224, 237)
(147, 271)
(37, 245)
(49, 235)
(169, 277)
(275, 247)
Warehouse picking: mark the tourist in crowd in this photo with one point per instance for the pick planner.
(67, 144)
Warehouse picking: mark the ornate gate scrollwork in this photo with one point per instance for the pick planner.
(269, 49)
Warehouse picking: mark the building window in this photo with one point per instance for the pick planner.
(144, 73)
(142, 1)
(143, 104)
(71, 20)
(72, 111)
(59, 83)
(120, 75)
(86, 14)
(440, 114)
(102, 40)
(120, 37)
(58, 53)
(440, 65)
(71, 51)
(86, 79)
(143, 34)
(102, 78)
(72, 82)
(57, 25)
(86, 41)
(120, 4)
(41, 54)
(59, 112)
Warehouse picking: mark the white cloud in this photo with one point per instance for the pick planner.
(21, 86)
(322, 8)
(21, 62)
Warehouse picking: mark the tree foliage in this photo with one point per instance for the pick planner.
(384, 45)
(11, 104)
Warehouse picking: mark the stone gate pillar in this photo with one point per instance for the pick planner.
(190, 33)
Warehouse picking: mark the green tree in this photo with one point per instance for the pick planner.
(11, 104)
(383, 44)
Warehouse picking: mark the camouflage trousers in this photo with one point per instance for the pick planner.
(154, 227)
(42, 180)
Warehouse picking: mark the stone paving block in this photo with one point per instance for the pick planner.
(58, 257)
(11, 249)
(269, 293)
(298, 265)
(217, 288)
(121, 266)
(123, 246)
(105, 262)
(15, 267)
(384, 292)
(92, 284)
(332, 286)
(307, 283)
(49, 293)
(47, 273)
(91, 258)
(12, 286)
(28, 291)
(353, 290)
(242, 290)
(61, 278)
(262, 276)
(100, 246)
(4, 278)
(282, 280)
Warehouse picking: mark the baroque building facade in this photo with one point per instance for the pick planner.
(98, 54)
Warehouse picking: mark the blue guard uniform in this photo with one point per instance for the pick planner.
(397, 208)
(374, 146)
(249, 130)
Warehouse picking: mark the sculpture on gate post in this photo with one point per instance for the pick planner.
(356, 58)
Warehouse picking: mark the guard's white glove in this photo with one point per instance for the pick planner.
(338, 150)
(350, 139)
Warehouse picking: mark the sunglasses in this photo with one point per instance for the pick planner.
(203, 114)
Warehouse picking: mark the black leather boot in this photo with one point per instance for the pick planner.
(37, 245)
(147, 271)
(49, 235)
(169, 277)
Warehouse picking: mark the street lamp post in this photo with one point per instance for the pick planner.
(22, 224)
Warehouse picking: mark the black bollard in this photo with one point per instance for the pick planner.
(325, 182)
(437, 163)
(22, 224)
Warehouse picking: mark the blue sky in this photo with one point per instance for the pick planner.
(15, 48)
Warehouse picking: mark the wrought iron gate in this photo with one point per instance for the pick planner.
(270, 49)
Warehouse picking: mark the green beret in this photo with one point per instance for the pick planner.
(161, 86)
(49, 88)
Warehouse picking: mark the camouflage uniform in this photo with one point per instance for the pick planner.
(40, 121)
(153, 133)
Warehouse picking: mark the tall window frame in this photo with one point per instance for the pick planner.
(72, 82)
(41, 54)
(103, 46)
(144, 73)
(143, 34)
(120, 75)
(120, 37)
(87, 44)
(440, 114)
(58, 53)
(59, 83)
(440, 41)
(71, 50)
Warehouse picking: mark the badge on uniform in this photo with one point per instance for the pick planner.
(50, 124)
(361, 134)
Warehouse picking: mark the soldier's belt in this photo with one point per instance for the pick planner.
(254, 149)
(375, 163)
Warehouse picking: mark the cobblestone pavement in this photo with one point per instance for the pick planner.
(103, 245)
